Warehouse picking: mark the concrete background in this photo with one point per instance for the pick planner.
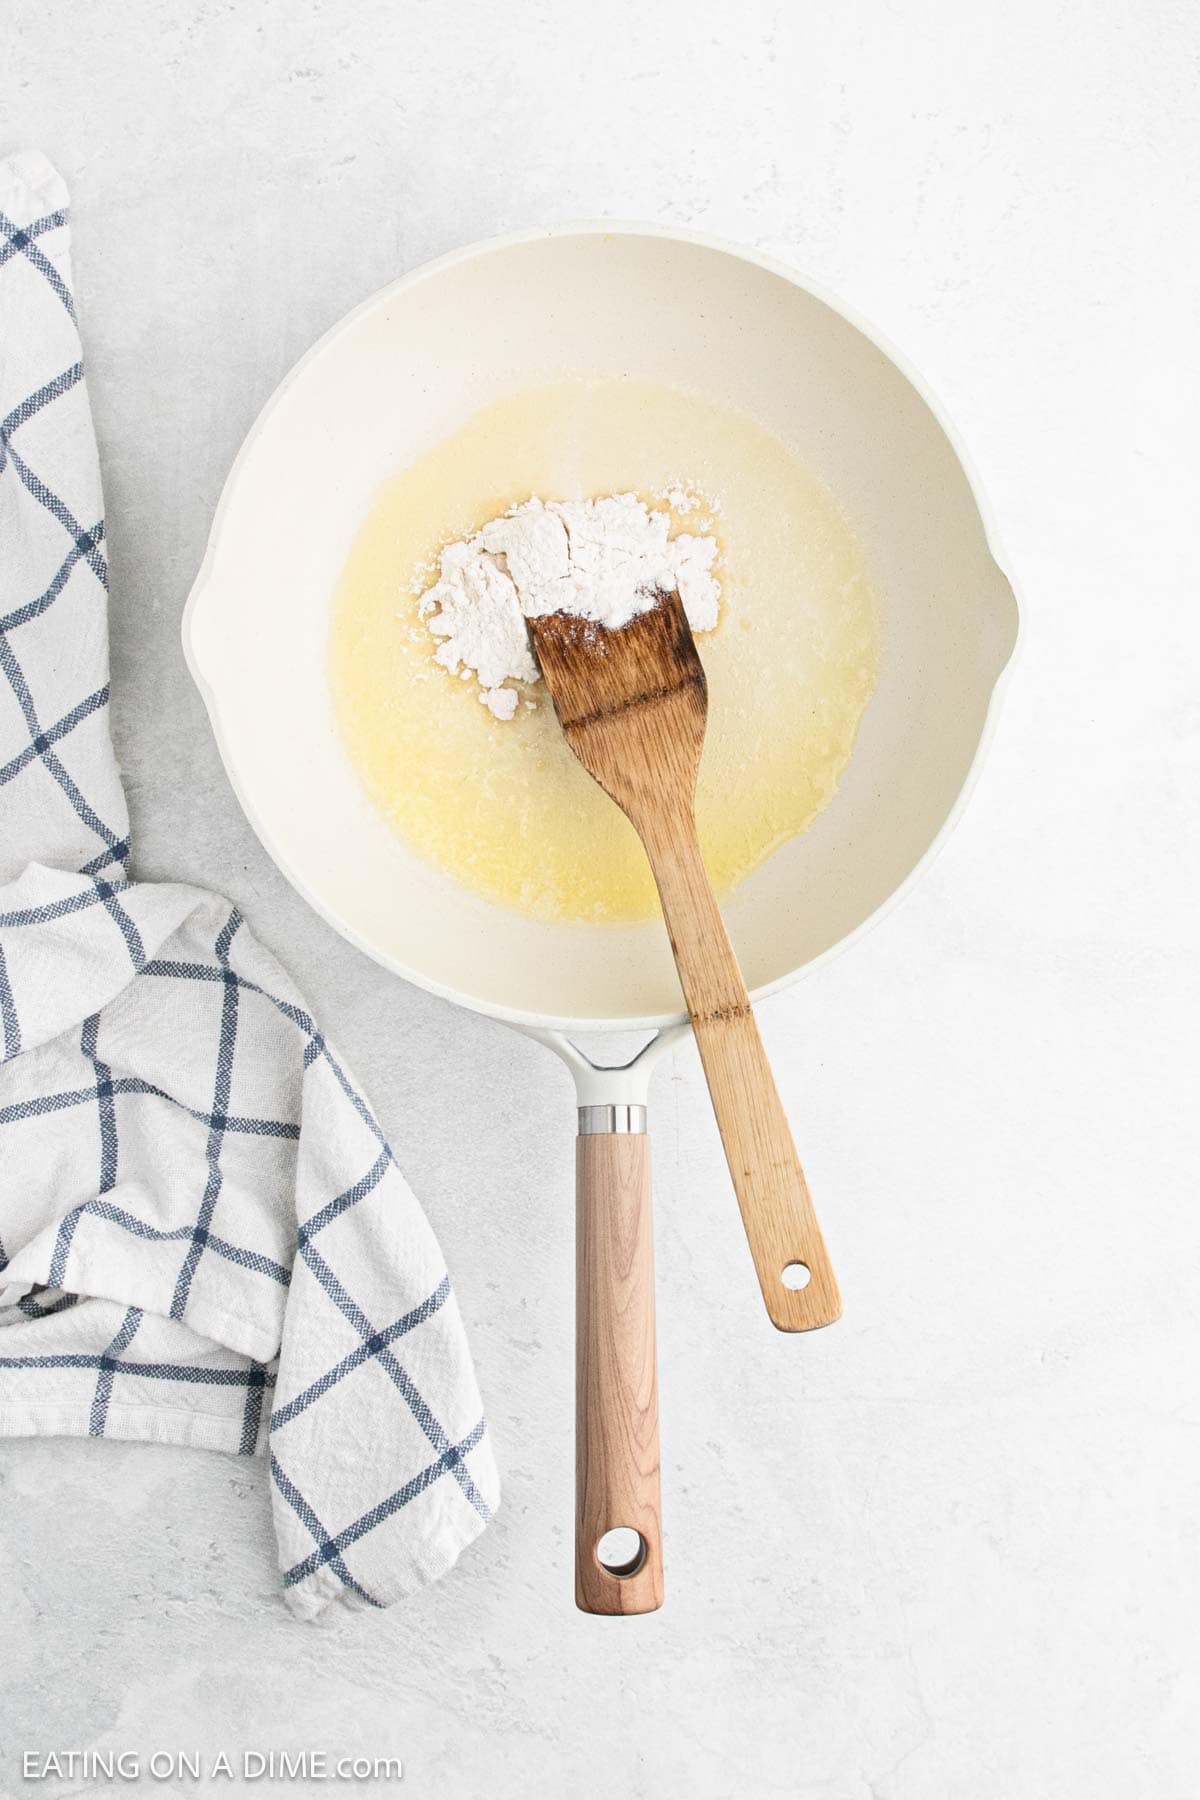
(949, 1547)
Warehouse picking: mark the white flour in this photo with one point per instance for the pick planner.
(605, 560)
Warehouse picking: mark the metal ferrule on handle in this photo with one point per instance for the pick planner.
(594, 1121)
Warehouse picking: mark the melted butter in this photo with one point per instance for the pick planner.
(502, 806)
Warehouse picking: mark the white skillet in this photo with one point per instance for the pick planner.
(409, 366)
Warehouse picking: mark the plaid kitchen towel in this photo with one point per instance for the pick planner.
(203, 1236)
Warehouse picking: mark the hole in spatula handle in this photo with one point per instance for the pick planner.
(796, 1275)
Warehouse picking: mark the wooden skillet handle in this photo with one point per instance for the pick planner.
(616, 1385)
(776, 1207)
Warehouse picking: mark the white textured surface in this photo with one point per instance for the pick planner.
(947, 1547)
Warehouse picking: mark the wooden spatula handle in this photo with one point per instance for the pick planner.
(773, 1196)
(616, 1385)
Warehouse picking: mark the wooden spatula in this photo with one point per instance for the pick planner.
(633, 703)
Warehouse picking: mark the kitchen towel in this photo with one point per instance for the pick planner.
(204, 1238)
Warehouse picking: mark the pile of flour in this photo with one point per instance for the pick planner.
(605, 560)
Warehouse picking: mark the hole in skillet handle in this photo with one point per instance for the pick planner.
(621, 1551)
(796, 1275)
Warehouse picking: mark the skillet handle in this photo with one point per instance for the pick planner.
(616, 1384)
